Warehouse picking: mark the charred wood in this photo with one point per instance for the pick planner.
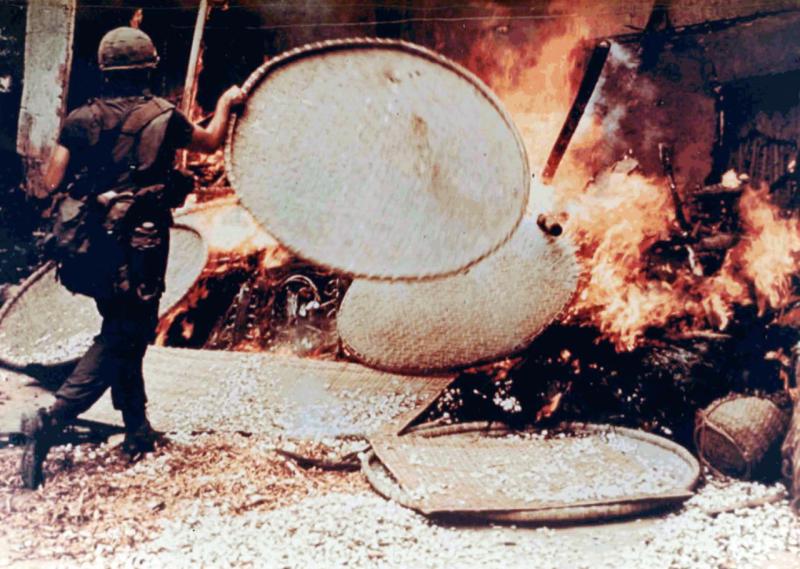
(590, 78)
(717, 242)
(292, 306)
(574, 374)
(717, 192)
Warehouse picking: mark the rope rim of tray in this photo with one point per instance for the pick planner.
(275, 63)
(371, 466)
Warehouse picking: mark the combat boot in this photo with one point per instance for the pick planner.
(38, 429)
(141, 441)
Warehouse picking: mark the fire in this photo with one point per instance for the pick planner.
(534, 75)
(228, 228)
(615, 222)
(233, 238)
(769, 253)
(195, 295)
(214, 210)
(617, 216)
(615, 225)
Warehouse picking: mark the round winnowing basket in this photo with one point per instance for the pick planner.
(378, 158)
(43, 323)
(489, 472)
(494, 309)
(739, 436)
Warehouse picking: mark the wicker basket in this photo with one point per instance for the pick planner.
(43, 323)
(739, 436)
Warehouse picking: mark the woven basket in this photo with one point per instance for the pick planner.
(493, 310)
(462, 450)
(43, 323)
(378, 158)
(739, 436)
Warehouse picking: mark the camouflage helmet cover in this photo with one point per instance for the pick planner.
(126, 48)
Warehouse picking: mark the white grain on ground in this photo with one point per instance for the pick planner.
(363, 530)
(247, 401)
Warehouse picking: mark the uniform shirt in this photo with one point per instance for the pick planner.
(90, 133)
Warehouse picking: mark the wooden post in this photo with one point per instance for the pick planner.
(190, 85)
(49, 32)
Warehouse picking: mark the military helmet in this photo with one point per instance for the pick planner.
(126, 48)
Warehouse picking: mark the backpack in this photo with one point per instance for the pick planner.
(92, 240)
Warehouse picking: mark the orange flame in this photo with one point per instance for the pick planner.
(615, 218)
(769, 253)
(229, 228)
(232, 236)
(614, 223)
(535, 73)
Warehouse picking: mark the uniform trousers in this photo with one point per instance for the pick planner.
(114, 360)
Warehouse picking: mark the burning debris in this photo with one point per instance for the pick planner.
(689, 284)
(253, 294)
(677, 278)
(242, 303)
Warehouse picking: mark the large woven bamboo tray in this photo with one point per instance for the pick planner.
(378, 158)
(496, 308)
(43, 323)
(486, 471)
(298, 398)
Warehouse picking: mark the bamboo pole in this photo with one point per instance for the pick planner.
(190, 84)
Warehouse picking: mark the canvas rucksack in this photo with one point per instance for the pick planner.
(91, 238)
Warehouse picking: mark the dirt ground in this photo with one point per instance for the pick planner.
(218, 495)
(218, 500)
(95, 503)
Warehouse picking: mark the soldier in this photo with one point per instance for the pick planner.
(115, 154)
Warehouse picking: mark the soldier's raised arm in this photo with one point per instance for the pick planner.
(210, 138)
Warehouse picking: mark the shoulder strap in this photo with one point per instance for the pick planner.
(142, 115)
(97, 117)
(136, 121)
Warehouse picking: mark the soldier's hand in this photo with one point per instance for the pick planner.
(234, 96)
(209, 139)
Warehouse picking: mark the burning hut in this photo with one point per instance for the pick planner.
(677, 187)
